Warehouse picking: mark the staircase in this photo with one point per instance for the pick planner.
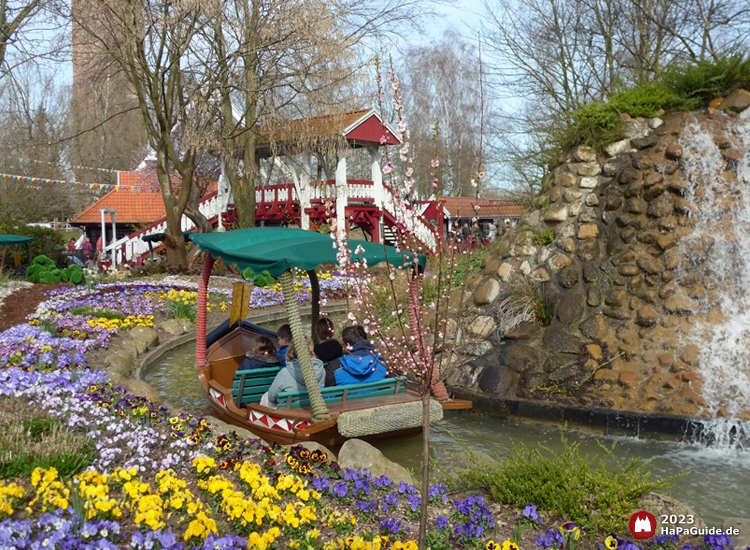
(402, 216)
(132, 249)
(278, 203)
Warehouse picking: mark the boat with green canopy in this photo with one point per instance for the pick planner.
(377, 410)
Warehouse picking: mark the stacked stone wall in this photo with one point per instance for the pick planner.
(625, 276)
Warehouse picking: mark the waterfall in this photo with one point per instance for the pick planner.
(722, 216)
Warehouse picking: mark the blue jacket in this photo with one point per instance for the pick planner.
(361, 364)
(282, 353)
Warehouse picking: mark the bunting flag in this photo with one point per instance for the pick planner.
(92, 186)
(74, 167)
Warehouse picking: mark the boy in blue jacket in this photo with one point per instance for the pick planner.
(359, 364)
(284, 335)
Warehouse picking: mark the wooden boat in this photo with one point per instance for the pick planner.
(373, 411)
(285, 426)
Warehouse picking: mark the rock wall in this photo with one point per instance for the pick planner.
(627, 275)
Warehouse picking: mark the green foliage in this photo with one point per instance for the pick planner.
(598, 123)
(438, 540)
(31, 438)
(683, 87)
(699, 82)
(87, 311)
(183, 308)
(544, 309)
(259, 279)
(544, 238)
(73, 274)
(43, 270)
(568, 484)
(523, 301)
(46, 241)
(643, 100)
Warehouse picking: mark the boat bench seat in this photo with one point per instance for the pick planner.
(341, 394)
(249, 385)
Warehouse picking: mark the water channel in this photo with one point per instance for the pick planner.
(715, 489)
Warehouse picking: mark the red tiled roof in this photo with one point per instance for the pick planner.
(322, 125)
(133, 205)
(138, 201)
(464, 206)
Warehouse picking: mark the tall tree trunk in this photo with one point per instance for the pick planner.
(244, 193)
(174, 241)
(192, 211)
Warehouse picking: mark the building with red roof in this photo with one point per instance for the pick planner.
(460, 210)
(137, 202)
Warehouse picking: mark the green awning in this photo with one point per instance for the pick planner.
(156, 237)
(15, 239)
(278, 249)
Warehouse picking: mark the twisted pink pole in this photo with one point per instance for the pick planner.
(200, 328)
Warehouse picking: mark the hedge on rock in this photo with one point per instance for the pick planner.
(44, 270)
(262, 279)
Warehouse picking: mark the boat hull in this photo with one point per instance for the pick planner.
(282, 426)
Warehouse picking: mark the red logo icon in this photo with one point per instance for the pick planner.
(642, 525)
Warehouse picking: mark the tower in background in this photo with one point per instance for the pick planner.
(107, 118)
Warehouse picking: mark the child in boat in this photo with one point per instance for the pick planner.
(290, 378)
(360, 364)
(284, 334)
(262, 355)
(328, 348)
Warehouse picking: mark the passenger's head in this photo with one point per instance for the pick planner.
(361, 332)
(291, 352)
(352, 335)
(324, 329)
(284, 334)
(263, 345)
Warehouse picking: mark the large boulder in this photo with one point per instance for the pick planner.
(120, 362)
(356, 454)
(143, 338)
(144, 389)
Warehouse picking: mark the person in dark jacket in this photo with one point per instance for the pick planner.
(328, 348)
(360, 364)
(284, 334)
(262, 355)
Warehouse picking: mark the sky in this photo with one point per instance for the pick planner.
(462, 16)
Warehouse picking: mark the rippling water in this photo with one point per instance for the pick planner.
(716, 488)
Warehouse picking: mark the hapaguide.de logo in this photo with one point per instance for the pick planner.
(642, 525)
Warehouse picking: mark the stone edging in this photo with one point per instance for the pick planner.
(605, 421)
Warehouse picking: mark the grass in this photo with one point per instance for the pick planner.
(527, 303)
(30, 438)
(544, 238)
(594, 496)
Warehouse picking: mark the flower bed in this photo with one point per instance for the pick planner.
(160, 480)
(76, 320)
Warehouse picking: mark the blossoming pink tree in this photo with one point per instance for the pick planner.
(419, 334)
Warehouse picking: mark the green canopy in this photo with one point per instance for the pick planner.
(156, 237)
(277, 249)
(15, 239)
